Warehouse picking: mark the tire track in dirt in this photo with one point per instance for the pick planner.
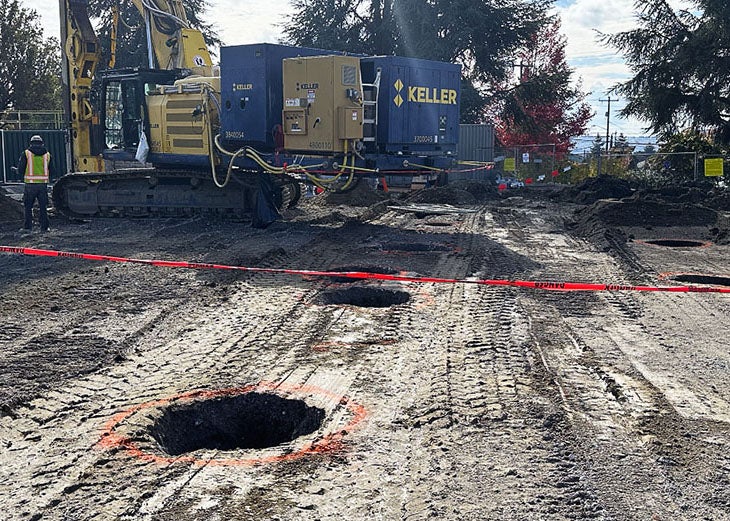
(153, 377)
(145, 377)
(610, 402)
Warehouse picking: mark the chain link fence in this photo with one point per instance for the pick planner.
(31, 120)
(527, 164)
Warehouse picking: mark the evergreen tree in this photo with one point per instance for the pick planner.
(621, 142)
(680, 65)
(30, 66)
(482, 36)
(597, 146)
(544, 107)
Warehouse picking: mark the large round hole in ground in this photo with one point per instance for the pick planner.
(676, 243)
(364, 297)
(702, 279)
(363, 269)
(414, 246)
(246, 421)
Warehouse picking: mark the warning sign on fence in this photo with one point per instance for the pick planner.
(713, 167)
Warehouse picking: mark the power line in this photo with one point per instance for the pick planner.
(608, 118)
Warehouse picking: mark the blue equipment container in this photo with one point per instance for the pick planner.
(418, 105)
(251, 93)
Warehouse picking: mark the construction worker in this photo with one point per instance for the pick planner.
(35, 164)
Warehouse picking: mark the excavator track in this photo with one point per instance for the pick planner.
(148, 192)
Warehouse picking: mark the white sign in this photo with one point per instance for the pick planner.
(526, 157)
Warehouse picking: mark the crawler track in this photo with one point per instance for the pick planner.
(163, 193)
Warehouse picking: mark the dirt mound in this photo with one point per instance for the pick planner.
(721, 232)
(480, 190)
(604, 222)
(361, 195)
(10, 210)
(443, 195)
(593, 189)
(719, 199)
(700, 192)
(648, 212)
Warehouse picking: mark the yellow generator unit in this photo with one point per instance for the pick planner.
(179, 116)
(322, 104)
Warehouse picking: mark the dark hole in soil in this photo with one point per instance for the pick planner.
(676, 243)
(365, 297)
(247, 421)
(438, 223)
(364, 269)
(413, 246)
(703, 279)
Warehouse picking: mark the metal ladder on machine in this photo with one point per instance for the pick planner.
(370, 92)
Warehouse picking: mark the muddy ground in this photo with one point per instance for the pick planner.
(136, 392)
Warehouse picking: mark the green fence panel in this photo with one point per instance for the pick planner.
(13, 142)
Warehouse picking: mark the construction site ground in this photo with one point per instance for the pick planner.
(123, 387)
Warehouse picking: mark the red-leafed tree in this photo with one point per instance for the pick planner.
(545, 107)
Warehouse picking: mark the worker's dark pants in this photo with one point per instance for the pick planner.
(32, 192)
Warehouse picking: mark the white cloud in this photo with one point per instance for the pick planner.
(599, 67)
(237, 22)
(49, 16)
(249, 21)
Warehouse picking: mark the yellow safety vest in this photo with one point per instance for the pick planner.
(36, 169)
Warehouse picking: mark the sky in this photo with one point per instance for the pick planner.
(596, 66)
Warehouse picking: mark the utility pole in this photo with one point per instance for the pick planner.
(608, 119)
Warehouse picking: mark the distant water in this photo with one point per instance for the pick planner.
(583, 143)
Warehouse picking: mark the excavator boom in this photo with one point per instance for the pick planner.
(171, 43)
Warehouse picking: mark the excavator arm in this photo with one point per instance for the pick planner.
(171, 44)
(81, 54)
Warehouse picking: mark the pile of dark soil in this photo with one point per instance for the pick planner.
(361, 195)
(480, 190)
(639, 211)
(700, 192)
(720, 233)
(593, 189)
(604, 220)
(443, 195)
(10, 210)
(719, 199)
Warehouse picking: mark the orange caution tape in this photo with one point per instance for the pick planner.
(554, 286)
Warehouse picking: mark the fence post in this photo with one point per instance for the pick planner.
(695, 166)
(2, 149)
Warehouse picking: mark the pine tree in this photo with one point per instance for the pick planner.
(597, 146)
(680, 65)
(622, 142)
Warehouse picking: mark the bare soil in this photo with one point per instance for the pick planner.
(135, 392)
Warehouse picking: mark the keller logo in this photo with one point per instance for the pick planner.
(417, 94)
(398, 100)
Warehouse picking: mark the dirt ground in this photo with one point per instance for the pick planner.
(135, 392)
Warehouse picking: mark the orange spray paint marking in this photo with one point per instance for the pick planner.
(332, 442)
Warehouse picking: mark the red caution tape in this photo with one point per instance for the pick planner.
(554, 286)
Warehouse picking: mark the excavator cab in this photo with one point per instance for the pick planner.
(125, 115)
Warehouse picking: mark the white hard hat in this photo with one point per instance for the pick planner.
(36, 139)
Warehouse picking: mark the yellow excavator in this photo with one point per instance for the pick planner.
(172, 45)
(181, 136)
